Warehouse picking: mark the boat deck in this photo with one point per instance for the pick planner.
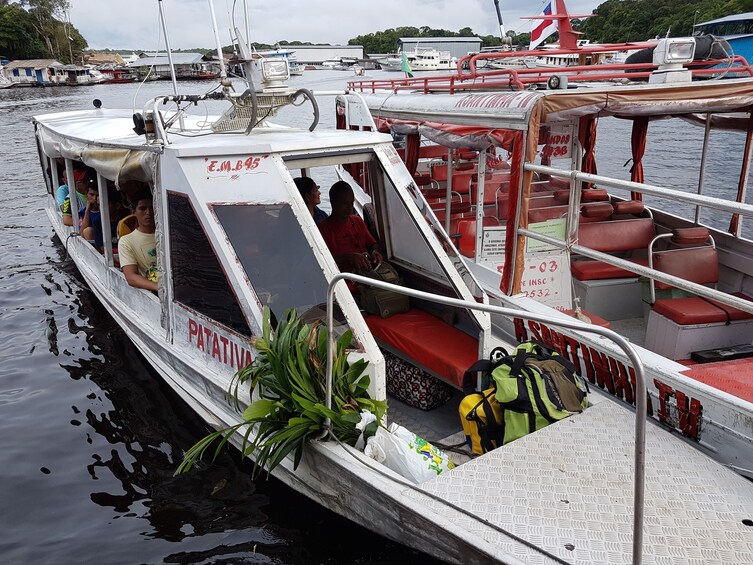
(568, 490)
(734, 377)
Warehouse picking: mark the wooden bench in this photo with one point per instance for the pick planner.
(435, 346)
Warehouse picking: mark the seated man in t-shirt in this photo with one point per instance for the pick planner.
(346, 234)
(137, 250)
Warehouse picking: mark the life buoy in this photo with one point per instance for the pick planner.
(49, 71)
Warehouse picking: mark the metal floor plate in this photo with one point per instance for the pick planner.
(568, 489)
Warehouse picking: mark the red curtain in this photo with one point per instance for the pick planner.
(413, 142)
(638, 144)
(587, 138)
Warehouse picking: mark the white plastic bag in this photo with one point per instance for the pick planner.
(407, 454)
(366, 419)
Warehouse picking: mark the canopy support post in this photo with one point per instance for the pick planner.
(702, 172)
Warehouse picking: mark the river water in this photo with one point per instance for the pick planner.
(91, 436)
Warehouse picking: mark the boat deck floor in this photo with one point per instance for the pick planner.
(440, 427)
(568, 489)
(633, 329)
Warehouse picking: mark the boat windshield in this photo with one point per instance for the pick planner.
(276, 257)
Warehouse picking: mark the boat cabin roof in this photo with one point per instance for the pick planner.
(513, 109)
(105, 140)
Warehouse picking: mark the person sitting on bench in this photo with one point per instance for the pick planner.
(346, 234)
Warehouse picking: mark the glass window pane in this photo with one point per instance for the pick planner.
(198, 279)
(277, 258)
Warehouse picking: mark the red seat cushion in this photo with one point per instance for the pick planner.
(735, 313)
(438, 346)
(690, 311)
(591, 270)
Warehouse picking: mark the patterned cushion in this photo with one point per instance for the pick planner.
(413, 386)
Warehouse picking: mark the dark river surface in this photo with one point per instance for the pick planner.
(91, 436)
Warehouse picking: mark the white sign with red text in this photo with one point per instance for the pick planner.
(546, 277)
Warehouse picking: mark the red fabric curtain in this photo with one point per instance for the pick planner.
(413, 142)
(587, 138)
(638, 144)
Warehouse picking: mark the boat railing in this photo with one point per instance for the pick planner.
(520, 78)
(621, 342)
(671, 194)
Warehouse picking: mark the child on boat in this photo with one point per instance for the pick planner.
(137, 250)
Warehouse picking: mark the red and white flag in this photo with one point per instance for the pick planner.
(543, 29)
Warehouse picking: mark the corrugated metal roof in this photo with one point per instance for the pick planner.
(178, 59)
(33, 63)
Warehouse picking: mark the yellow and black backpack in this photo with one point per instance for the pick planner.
(529, 389)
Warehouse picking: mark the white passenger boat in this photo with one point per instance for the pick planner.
(234, 236)
(433, 60)
(691, 320)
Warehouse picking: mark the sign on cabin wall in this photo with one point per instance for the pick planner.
(547, 269)
(557, 143)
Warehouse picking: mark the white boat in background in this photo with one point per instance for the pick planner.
(560, 494)
(433, 60)
(395, 63)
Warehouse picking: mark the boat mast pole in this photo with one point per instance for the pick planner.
(499, 19)
(223, 73)
(170, 61)
(502, 35)
(248, 25)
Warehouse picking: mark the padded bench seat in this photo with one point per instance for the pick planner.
(592, 270)
(696, 310)
(435, 345)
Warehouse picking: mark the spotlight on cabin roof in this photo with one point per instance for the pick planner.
(269, 74)
(670, 55)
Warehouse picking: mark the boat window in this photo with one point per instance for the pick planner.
(198, 279)
(277, 258)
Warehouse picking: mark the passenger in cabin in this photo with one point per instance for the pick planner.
(82, 189)
(346, 234)
(312, 196)
(117, 212)
(91, 214)
(137, 250)
(79, 173)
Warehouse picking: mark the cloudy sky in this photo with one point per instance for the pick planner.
(133, 24)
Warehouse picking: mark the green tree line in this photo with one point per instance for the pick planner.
(639, 20)
(38, 29)
(386, 41)
(614, 21)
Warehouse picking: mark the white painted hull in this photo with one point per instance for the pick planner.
(438, 518)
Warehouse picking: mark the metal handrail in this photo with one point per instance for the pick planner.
(688, 197)
(638, 269)
(624, 344)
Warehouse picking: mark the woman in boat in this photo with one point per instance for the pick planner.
(312, 196)
(137, 250)
(346, 234)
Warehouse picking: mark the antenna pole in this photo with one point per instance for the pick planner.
(223, 73)
(499, 19)
(170, 61)
(248, 25)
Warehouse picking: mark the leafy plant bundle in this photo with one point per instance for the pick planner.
(288, 377)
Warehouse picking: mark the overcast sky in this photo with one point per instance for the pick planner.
(133, 24)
